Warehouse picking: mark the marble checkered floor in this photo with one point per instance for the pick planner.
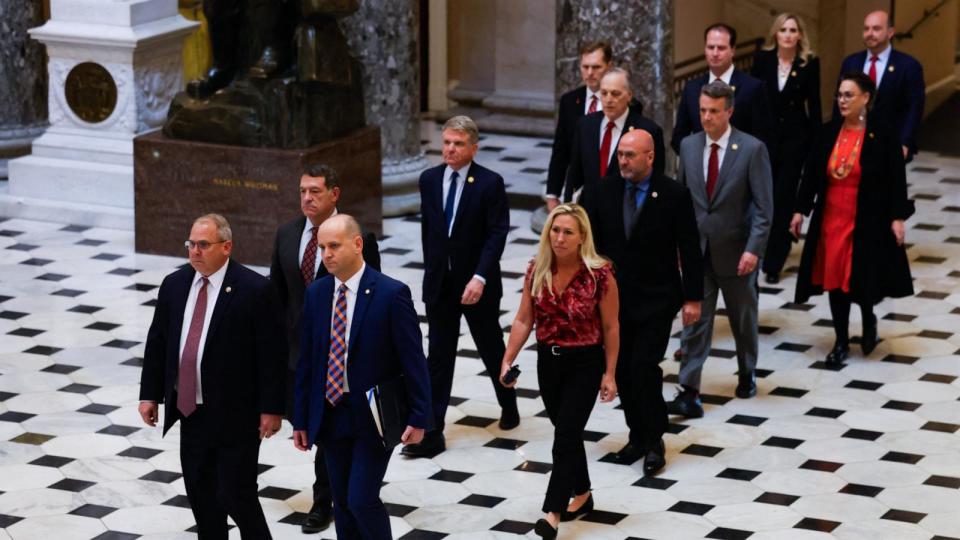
(868, 451)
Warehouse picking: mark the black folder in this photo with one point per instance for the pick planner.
(391, 409)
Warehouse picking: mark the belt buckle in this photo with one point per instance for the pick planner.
(553, 350)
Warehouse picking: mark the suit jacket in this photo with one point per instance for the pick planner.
(242, 369)
(737, 218)
(648, 278)
(900, 97)
(879, 266)
(384, 342)
(480, 228)
(751, 112)
(796, 109)
(285, 276)
(585, 161)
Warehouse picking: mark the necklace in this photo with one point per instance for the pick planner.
(840, 166)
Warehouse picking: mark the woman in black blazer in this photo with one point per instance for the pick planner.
(791, 75)
(855, 184)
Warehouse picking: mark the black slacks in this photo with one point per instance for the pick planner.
(443, 331)
(322, 497)
(221, 479)
(569, 386)
(640, 378)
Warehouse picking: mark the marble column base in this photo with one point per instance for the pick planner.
(401, 191)
(69, 213)
(15, 143)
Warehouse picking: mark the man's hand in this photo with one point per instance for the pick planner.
(796, 224)
(906, 151)
(552, 202)
(898, 231)
(472, 292)
(690, 313)
(748, 263)
(300, 440)
(269, 425)
(411, 435)
(149, 411)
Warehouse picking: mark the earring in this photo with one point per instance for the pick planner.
(863, 115)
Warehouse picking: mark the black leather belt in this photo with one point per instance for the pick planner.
(558, 350)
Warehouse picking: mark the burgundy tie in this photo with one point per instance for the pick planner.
(713, 170)
(187, 380)
(605, 148)
(593, 105)
(307, 269)
(873, 69)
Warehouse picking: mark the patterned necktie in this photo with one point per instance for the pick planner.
(336, 367)
(713, 170)
(873, 69)
(593, 105)
(187, 376)
(308, 265)
(605, 148)
(451, 198)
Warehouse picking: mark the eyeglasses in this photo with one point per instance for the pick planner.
(846, 96)
(203, 244)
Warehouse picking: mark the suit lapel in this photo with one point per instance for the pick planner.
(365, 291)
(697, 184)
(325, 306)
(436, 189)
(180, 302)
(729, 158)
(292, 254)
(592, 124)
(224, 298)
(650, 205)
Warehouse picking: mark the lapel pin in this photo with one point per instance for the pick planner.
(630, 128)
(890, 69)
(654, 194)
(367, 291)
(733, 146)
(871, 134)
(793, 73)
(228, 289)
(734, 88)
(469, 179)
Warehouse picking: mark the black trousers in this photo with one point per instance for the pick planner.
(569, 386)
(840, 311)
(443, 330)
(640, 378)
(221, 480)
(322, 497)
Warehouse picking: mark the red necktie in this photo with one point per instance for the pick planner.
(593, 105)
(605, 148)
(713, 169)
(307, 269)
(187, 376)
(338, 349)
(873, 69)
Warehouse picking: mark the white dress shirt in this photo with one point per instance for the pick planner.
(305, 239)
(352, 285)
(882, 59)
(213, 291)
(782, 75)
(615, 134)
(725, 77)
(590, 95)
(722, 143)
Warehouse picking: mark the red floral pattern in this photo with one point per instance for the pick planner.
(572, 318)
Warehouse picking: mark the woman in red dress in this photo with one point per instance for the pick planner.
(855, 184)
(571, 296)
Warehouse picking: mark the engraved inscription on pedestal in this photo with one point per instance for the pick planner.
(91, 92)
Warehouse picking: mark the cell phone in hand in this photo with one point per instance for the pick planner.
(511, 375)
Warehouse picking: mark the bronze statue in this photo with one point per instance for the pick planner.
(282, 76)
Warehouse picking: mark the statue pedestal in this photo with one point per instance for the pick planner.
(114, 66)
(256, 189)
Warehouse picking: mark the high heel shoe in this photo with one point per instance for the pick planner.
(584, 509)
(544, 529)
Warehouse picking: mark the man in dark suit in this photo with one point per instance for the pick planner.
(595, 59)
(899, 78)
(464, 223)
(751, 111)
(728, 174)
(214, 355)
(359, 331)
(642, 221)
(295, 265)
(595, 143)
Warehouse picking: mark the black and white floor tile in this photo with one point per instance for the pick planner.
(868, 451)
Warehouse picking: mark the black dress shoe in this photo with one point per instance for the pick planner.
(584, 509)
(773, 278)
(433, 443)
(869, 339)
(838, 354)
(629, 454)
(655, 459)
(687, 404)
(509, 420)
(747, 386)
(544, 529)
(319, 518)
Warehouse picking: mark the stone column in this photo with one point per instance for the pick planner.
(383, 34)
(23, 85)
(641, 34)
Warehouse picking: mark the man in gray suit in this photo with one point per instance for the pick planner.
(728, 174)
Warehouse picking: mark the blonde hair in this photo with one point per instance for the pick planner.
(543, 263)
(804, 52)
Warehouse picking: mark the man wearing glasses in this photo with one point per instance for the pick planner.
(215, 356)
